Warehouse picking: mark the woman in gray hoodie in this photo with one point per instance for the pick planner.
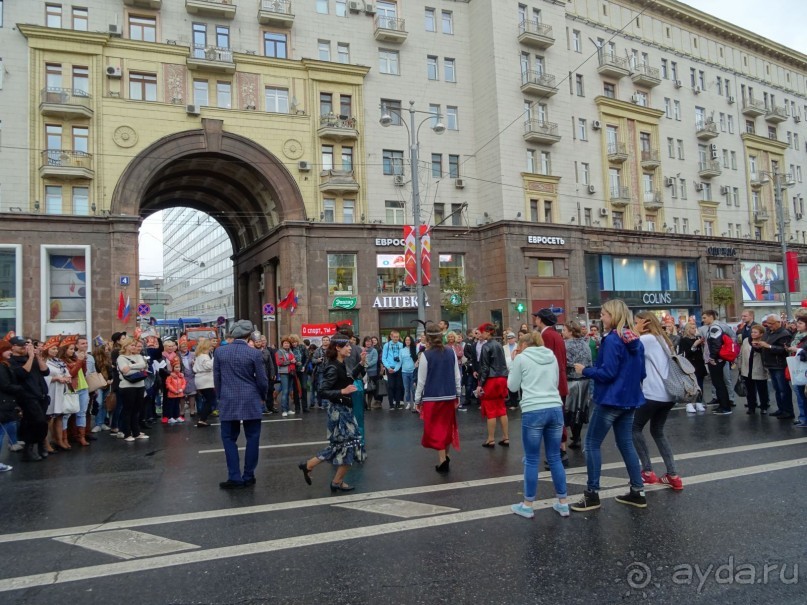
(535, 371)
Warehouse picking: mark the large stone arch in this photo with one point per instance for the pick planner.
(232, 178)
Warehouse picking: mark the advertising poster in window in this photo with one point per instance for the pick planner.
(756, 281)
(68, 288)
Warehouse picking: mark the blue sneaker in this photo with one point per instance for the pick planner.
(561, 509)
(523, 511)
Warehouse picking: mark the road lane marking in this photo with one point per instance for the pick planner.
(269, 447)
(64, 576)
(405, 509)
(406, 491)
(266, 421)
(127, 544)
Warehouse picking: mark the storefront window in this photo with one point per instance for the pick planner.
(402, 321)
(391, 273)
(9, 280)
(546, 268)
(341, 274)
(338, 315)
(452, 269)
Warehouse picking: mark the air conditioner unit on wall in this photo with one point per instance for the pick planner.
(669, 181)
(354, 6)
(596, 124)
(399, 181)
(677, 83)
(303, 166)
(603, 211)
(732, 100)
(697, 90)
(459, 183)
(369, 8)
(192, 110)
(725, 189)
(634, 98)
(114, 30)
(113, 72)
(592, 189)
(698, 186)
(796, 119)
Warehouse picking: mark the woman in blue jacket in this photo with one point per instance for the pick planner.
(617, 376)
(409, 357)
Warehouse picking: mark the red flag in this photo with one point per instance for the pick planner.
(287, 302)
(121, 306)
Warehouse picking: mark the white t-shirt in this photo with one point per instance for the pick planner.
(657, 368)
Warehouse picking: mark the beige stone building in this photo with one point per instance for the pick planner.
(592, 149)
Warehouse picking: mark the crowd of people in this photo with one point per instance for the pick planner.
(59, 394)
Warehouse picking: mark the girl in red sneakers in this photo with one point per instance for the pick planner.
(658, 403)
(175, 390)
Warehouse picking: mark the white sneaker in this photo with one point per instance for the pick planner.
(292, 412)
(171, 421)
(142, 436)
(4, 468)
(96, 429)
(180, 420)
(408, 406)
(105, 427)
(16, 447)
(690, 408)
(285, 414)
(129, 438)
(700, 407)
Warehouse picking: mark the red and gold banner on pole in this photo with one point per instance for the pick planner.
(410, 260)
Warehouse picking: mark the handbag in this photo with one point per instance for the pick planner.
(95, 381)
(70, 402)
(798, 371)
(682, 382)
(111, 402)
(739, 387)
(135, 376)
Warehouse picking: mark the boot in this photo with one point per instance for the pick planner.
(61, 438)
(29, 455)
(42, 448)
(80, 436)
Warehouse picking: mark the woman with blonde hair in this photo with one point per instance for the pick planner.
(578, 350)
(58, 379)
(203, 371)
(657, 351)
(132, 388)
(689, 336)
(617, 377)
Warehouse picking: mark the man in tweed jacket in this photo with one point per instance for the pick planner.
(239, 376)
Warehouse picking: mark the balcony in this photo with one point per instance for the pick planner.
(644, 75)
(537, 35)
(652, 200)
(338, 128)
(709, 169)
(538, 131)
(617, 153)
(338, 182)
(390, 29)
(757, 180)
(612, 66)
(753, 108)
(775, 114)
(538, 83)
(761, 216)
(706, 130)
(620, 196)
(65, 103)
(65, 164)
(211, 58)
(220, 9)
(651, 159)
(152, 4)
(276, 13)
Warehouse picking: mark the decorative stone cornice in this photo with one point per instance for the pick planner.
(627, 110)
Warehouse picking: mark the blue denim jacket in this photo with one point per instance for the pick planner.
(618, 372)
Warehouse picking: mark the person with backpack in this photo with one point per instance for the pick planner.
(774, 347)
(719, 349)
(658, 348)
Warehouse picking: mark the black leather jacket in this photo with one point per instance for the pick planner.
(775, 357)
(334, 379)
(492, 362)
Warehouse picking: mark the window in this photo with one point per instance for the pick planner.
(439, 213)
(53, 18)
(530, 161)
(449, 70)
(394, 212)
(325, 103)
(143, 28)
(618, 220)
(343, 52)
(582, 133)
(326, 157)
(81, 81)
(341, 8)
(392, 107)
(640, 98)
(345, 105)
(341, 274)
(772, 132)
(448, 22)
(452, 122)
(719, 83)
(81, 201)
(546, 163)
(796, 141)
(142, 87)
(730, 123)
(435, 111)
(80, 19)
(347, 159)
(534, 211)
(53, 200)
(431, 67)
(677, 109)
(725, 158)
(81, 138)
(222, 36)
(224, 95)
(275, 45)
(437, 165)
(322, 7)
(324, 50)
(199, 34)
(735, 193)
(587, 217)
(578, 85)
(328, 212)
(674, 189)
(349, 211)
(276, 99)
(200, 88)
(429, 20)
(671, 147)
(708, 227)
(392, 162)
(683, 185)
(733, 155)
(685, 226)
(585, 173)
(701, 80)
(388, 62)
(454, 166)
(679, 144)
(668, 108)
(609, 90)
(547, 211)
(53, 76)
(674, 70)
(577, 44)
(706, 192)
(692, 77)
(722, 122)
(665, 69)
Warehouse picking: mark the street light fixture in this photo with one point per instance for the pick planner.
(414, 145)
(780, 183)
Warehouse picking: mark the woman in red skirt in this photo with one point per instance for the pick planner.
(492, 390)
(437, 396)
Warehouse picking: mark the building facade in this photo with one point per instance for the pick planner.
(591, 149)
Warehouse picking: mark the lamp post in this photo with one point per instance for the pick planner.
(414, 147)
(780, 182)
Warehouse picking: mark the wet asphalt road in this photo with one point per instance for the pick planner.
(146, 522)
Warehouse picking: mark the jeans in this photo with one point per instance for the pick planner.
(546, 425)
(100, 398)
(602, 419)
(10, 429)
(656, 413)
(802, 403)
(409, 386)
(286, 382)
(83, 404)
(727, 380)
(756, 389)
(784, 397)
(230, 429)
(719, 384)
(171, 407)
